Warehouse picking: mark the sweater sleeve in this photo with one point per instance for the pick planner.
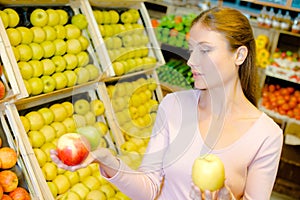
(145, 183)
(262, 170)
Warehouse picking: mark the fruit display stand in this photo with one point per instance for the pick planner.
(15, 159)
(56, 55)
(44, 120)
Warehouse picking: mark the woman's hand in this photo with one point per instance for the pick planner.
(222, 194)
(103, 156)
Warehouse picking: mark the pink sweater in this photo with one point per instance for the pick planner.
(251, 162)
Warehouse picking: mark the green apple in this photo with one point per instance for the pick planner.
(114, 15)
(60, 31)
(83, 75)
(49, 83)
(26, 34)
(127, 17)
(14, 36)
(48, 66)
(71, 60)
(62, 183)
(72, 176)
(73, 46)
(60, 63)
(25, 52)
(59, 111)
(53, 17)
(80, 21)
(72, 31)
(91, 182)
(49, 171)
(36, 84)
(108, 190)
(96, 195)
(39, 34)
(37, 51)
(69, 106)
(60, 79)
(59, 128)
(81, 106)
(36, 120)
(26, 70)
(80, 189)
(83, 59)
(52, 188)
(4, 18)
(60, 47)
(37, 67)
(50, 31)
(208, 172)
(71, 76)
(91, 133)
(47, 115)
(13, 16)
(84, 42)
(40, 156)
(70, 124)
(98, 16)
(48, 132)
(39, 17)
(64, 17)
(49, 48)
(79, 120)
(36, 138)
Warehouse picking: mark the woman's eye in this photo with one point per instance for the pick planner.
(204, 50)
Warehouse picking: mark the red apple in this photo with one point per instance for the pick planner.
(72, 148)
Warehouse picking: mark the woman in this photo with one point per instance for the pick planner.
(218, 116)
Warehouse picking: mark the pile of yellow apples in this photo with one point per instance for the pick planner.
(262, 52)
(45, 125)
(126, 40)
(135, 110)
(51, 52)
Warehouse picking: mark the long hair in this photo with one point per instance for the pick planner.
(237, 30)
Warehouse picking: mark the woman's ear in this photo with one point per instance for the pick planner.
(241, 54)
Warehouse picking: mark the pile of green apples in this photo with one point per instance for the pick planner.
(135, 111)
(174, 29)
(45, 125)
(50, 48)
(125, 38)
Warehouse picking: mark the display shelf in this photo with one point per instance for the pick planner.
(12, 138)
(152, 46)
(71, 121)
(93, 49)
(287, 5)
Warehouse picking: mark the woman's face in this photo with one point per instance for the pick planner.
(211, 61)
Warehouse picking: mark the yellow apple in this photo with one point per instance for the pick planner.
(59, 127)
(13, 16)
(96, 195)
(91, 182)
(208, 172)
(84, 172)
(36, 138)
(48, 132)
(70, 124)
(14, 36)
(25, 52)
(46, 148)
(72, 176)
(81, 106)
(52, 188)
(70, 195)
(80, 189)
(62, 183)
(5, 18)
(59, 111)
(47, 114)
(49, 171)
(39, 35)
(64, 17)
(26, 123)
(26, 34)
(97, 107)
(101, 127)
(108, 190)
(36, 120)
(69, 106)
(41, 156)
